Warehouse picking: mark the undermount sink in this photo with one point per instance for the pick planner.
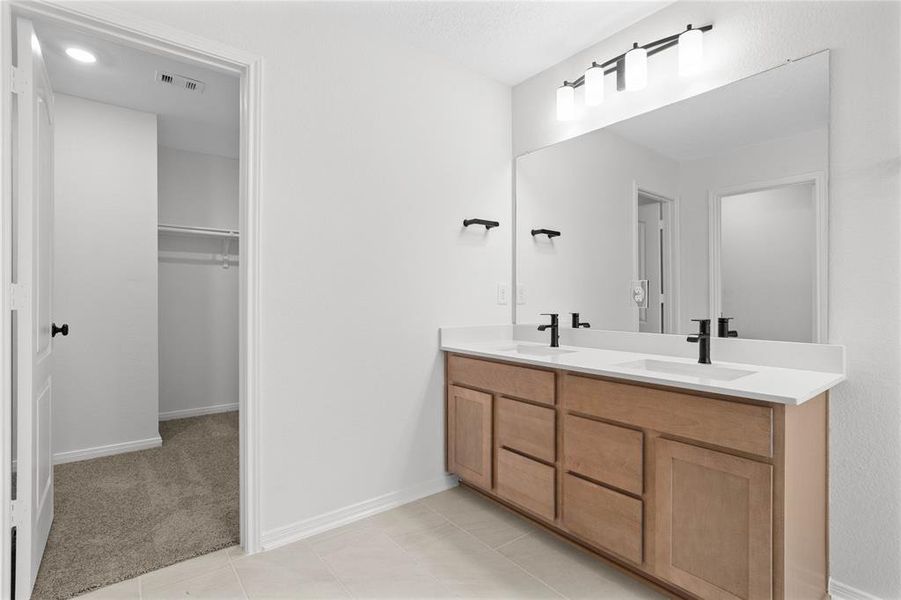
(542, 350)
(538, 350)
(692, 370)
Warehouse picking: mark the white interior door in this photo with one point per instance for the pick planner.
(650, 236)
(33, 277)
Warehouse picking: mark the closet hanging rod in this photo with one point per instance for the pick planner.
(207, 231)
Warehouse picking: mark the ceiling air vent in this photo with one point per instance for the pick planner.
(180, 81)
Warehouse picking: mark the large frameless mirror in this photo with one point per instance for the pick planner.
(712, 207)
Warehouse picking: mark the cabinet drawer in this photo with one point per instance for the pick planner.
(527, 428)
(525, 482)
(508, 380)
(602, 517)
(606, 453)
(744, 427)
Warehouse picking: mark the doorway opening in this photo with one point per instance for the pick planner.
(655, 261)
(132, 328)
(771, 232)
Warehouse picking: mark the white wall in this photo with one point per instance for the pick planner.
(198, 299)
(768, 262)
(585, 190)
(372, 156)
(105, 276)
(794, 155)
(864, 299)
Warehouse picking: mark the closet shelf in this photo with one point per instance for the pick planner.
(204, 231)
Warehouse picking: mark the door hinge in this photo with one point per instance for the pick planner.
(18, 296)
(17, 82)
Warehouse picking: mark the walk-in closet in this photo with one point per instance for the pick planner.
(143, 418)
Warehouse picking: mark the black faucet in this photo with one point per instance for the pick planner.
(703, 340)
(554, 327)
(722, 328)
(577, 323)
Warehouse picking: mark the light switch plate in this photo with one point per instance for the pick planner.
(503, 290)
(520, 293)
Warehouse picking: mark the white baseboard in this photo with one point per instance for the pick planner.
(196, 412)
(336, 518)
(108, 450)
(843, 591)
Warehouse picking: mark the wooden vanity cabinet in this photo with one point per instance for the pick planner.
(706, 496)
(469, 417)
(714, 522)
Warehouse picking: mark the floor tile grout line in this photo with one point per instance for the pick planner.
(516, 539)
(329, 567)
(507, 559)
(533, 575)
(231, 565)
(536, 576)
(416, 560)
(204, 572)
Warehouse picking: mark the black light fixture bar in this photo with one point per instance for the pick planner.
(653, 48)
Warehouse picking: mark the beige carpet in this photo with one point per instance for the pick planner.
(120, 516)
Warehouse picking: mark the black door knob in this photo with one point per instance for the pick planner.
(56, 329)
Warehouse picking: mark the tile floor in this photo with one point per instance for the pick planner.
(451, 545)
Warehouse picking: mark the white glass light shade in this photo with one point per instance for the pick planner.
(566, 102)
(594, 86)
(691, 51)
(636, 69)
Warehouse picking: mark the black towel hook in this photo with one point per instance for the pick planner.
(488, 224)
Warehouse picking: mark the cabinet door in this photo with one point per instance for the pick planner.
(714, 522)
(469, 435)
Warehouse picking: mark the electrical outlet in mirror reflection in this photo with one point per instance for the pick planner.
(638, 291)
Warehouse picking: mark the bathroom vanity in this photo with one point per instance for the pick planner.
(708, 480)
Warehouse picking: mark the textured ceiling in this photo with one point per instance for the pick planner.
(508, 41)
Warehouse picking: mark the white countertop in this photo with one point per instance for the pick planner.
(789, 386)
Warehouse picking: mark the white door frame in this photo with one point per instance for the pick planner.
(111, 24)
(672, 322)
(821, 206)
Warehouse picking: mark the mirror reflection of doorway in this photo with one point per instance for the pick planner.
(654, 262)
(768, 256)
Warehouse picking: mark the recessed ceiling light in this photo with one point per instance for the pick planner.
(81, 55)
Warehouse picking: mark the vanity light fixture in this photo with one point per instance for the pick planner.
(631, 69)
(636, 69)
(566, 101)
(691, 51)
(594, 85)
